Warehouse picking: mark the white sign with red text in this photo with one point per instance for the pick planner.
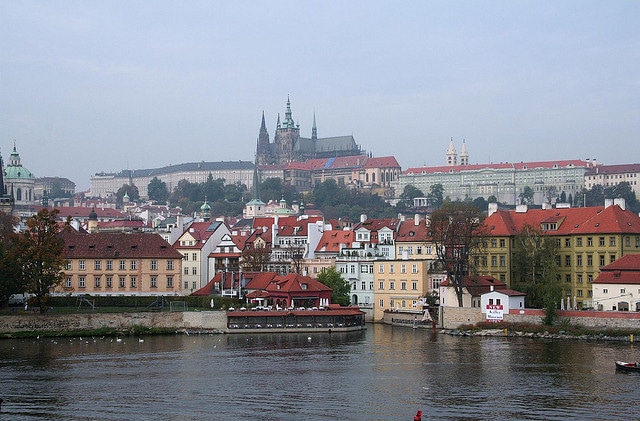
(495, 313)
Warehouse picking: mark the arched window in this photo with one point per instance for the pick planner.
(19, 194)
(366, 178)
(373, 177)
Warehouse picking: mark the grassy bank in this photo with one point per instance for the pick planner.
(131, 331)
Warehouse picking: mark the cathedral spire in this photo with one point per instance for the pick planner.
(288, 120)
(452, 156)
(314, 129)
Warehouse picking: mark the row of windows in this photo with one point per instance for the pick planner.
(403, 285)
(122, 265)
(419, 249)
(403, 268)
(580, 260)
(121, 282)
(194, 256)
(393, 303)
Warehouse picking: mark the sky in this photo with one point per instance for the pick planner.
(101, 86)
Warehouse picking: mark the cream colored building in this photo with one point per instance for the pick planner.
(398, 285)
(119, 264)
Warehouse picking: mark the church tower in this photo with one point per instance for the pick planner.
(452, 156)
(6, 200)
(264, 154)
(464, 155)
(287, 135)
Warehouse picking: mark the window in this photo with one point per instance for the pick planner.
(612, 258)
(567, 277)
(169, 281)
(96, 282)
(503, 261)
(67, 282)
(81, 264)
(414, 268)
(97, 265)
(403, 268)
(363, 284)
(589, 241)
(370, 285)
(403, 285)
(494, 243)
(68, 265)
(186, 257)
(418, 249)
(623, 291)
(134, 282)
(193, 285)
(400, 250)
(194, 256)
(605, 291)
(392, 285)
(391, 269)
(154, 265)
(589, 260)
(109, 264)
(410, 249)
(154, 282)
(186, 270)
(502, 243)
(123, 265)
(494, 260)
(381, 285)
(579, 279)
(589, 278)
(194, 270)
(579, 293)
(381, 303)
(601, 241)
(169, 264)
(134, 265)
(186, 285)
(567, 260)
(109, 281)
(612, 241)
(121, 281)
(567, 242)
(81, 282)
(579, 241)
(602, 260)
(414, 285)
(579, 260)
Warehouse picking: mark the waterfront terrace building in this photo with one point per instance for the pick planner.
(119, 264)
(107, 184)
(398, 285)
(587, 239)
(612, 175)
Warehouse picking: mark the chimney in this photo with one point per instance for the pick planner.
(493, 208)
(608, 202)
(416, 220)
(522, 208)
(620, 202)
(363, 217)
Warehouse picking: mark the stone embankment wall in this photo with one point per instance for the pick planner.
(454, 317)
(202, 320)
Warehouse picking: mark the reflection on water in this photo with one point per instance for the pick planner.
(384, 373)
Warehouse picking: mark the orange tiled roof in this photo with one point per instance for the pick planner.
(116, 245)
(332, 240)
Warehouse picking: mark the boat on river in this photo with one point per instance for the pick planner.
(625, 366)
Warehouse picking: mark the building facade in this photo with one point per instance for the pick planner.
(119, 264)
(612, 175)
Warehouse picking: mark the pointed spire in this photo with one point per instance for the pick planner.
(452, 156)
(263, 126)
(314, 129)
(288, 120)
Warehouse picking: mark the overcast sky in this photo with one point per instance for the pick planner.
(91, 86)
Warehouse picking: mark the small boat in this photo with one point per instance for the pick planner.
(625, 366)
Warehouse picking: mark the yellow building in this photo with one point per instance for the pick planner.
(398, 285)
(587, 239)
(119, 264)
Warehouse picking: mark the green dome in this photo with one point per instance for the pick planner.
(205, 207)
(17, 172)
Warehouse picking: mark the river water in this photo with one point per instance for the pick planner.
(383, 373)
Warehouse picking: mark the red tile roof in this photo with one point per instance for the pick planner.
(382, 162)
(116, 246)
(505, 166)
(570, 221)
(408, 231)
(478, 285)
(625, 270)
(199, 231)
(332, 241)
(613, 169)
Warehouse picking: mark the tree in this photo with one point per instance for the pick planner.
(38, 254)
(551, 193)
(526, 197)
(9, 271)
(435, 195)
(212, 189)
(157, 190)
(563, 197)
(341, 289)
(457, 231)
(481, 203)
(409, 193)
(255, 259)
(536, 270)
(130, 190)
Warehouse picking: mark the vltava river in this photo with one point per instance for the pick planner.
(383, 373)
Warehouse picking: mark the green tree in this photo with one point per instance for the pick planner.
(157, 190)
(212, 189)
(481, 203)
(235, 192)
(526, 197)
(38, 253)
(273, 189)
(435, 196)
(457, 232)
(341, 289)
(130, 190)
(409, 193)
(535, 270)
(9, 271)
